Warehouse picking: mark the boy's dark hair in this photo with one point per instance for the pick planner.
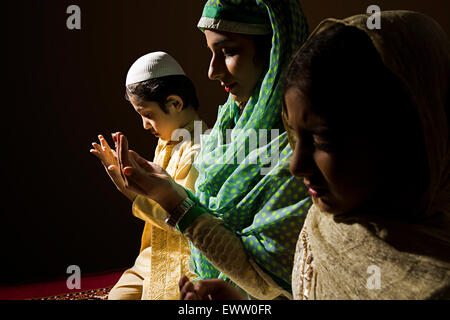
(159, 89)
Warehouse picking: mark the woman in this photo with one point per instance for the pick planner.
(242, 208)
(374, 152)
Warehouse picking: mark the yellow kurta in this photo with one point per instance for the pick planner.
(164, 254)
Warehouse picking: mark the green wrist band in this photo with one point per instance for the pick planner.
(191, 215)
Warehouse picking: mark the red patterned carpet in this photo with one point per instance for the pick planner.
(93, 287)
(95, 294)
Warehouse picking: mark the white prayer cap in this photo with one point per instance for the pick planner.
(153, 65)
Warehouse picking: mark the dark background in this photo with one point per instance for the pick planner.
(64, 87)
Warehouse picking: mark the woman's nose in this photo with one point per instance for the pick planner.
(216, 68)
(302, 161)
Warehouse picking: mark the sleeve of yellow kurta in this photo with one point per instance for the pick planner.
(224, 249)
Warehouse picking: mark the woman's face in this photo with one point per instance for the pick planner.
(338, 166)
(234, 63)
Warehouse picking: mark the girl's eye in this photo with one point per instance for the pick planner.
(148, 116)
(323, 145)
(229, 52)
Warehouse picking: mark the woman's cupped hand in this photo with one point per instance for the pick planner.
(213, 289)
(146, 178)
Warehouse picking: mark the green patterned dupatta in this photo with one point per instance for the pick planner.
(256, 198)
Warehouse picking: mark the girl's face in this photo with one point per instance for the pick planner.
(338, 166)
(234, 63)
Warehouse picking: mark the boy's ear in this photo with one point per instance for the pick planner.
(175, 101)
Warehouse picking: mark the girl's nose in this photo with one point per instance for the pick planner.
(302, 161)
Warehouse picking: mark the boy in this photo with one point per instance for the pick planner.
(166, 100)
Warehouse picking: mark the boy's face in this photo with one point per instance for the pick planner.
(160, 124)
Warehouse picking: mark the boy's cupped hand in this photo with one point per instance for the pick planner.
(110, 162)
